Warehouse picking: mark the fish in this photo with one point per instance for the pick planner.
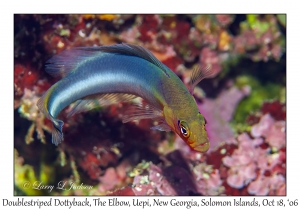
(105, 75)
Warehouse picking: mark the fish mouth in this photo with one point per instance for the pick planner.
(202, 147)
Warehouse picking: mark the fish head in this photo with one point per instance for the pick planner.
(193, 132)
(191, 129)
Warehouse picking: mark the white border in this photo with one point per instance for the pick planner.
(153, 6)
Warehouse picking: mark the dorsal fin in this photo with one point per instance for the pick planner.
(199, 74)
(135, 50)
(62, 64)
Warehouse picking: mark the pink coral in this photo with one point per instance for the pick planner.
(219, 112)
(263, 185)
(241, 163)
(208, 180)
(253, 165)
(113, 177)
(273, 131)
(109, 180)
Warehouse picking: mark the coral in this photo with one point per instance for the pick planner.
(29, 110)
(272, 185)
(276, 109)
(242, 162)
(208, 180)
(273, 131)
(224, 42)
(219, 112)
(23, 78)
(148, 27)
(109, 180)
(251, 164)
(173, 180)
(130, 35)
(142, 186)
(24, 176)
(225, 20)
(260, 38)
(102, 17)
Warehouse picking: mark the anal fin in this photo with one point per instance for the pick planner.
(99, 100)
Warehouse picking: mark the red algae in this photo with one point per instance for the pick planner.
(276, 109)
(91, 164)
(148, 27)
(24, 77)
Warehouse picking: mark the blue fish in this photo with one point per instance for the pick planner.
(101, 76)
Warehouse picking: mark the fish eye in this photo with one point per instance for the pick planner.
(184, 128)
(183, 131)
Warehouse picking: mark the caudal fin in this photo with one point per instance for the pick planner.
(57, 134)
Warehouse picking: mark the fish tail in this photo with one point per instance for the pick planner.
(57, 134)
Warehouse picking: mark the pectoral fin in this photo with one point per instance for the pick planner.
(163, 126)
(199, 74)
(142, 111)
